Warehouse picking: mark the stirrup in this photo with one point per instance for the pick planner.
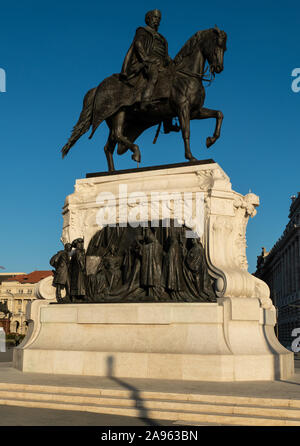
(145, 105)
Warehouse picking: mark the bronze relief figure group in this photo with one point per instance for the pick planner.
(133, 265)
(69, 275)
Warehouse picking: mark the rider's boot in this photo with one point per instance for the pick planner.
(147, 96)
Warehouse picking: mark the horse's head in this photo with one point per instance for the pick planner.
(210, 43)
(214, 46)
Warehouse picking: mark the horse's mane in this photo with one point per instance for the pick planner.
(190, 45)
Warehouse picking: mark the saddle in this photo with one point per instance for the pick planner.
(115, 92)
(163, 85)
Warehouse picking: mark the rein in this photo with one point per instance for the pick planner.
(198, 76)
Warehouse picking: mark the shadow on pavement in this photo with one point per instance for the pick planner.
(135, 394)
(288, 382)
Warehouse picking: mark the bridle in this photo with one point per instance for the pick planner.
(199, 76)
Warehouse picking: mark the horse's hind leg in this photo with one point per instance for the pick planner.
(109, 150)
(117, 135)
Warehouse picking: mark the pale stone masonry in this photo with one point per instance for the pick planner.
(229, 340)
(18, 289)
(280, 269)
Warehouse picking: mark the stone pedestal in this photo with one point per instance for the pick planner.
(208, 204)
(231, 340)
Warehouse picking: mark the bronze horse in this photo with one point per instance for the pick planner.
(185, 100)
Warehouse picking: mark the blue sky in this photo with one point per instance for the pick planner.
(54, 52)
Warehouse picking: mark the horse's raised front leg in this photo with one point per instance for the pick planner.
(117, 135)
(184, 119)
(206, 113)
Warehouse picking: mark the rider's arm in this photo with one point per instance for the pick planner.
(140, 51)
(139, 46)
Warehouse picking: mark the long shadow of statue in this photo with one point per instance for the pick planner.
(135, 394)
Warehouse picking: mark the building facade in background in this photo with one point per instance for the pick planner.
(280, 269)
(16, 291)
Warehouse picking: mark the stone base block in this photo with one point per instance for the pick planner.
(232, 340)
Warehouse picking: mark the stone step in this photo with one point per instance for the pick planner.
(207, 398)
(150, 404)
(156, 405)
(177, 417)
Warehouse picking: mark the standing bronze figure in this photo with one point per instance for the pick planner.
(172, 267)
(78, 272)
(152, 89)
(196, 274)
(151, 258)
(61, 262)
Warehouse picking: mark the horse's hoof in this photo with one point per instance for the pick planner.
(209, 142)
(136, 158)
(191, 159)
(137, 155)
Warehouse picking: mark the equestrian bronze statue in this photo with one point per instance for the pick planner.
(153, 89)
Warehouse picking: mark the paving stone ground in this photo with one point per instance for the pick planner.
(24, 416)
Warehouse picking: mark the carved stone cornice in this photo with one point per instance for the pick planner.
(224, 214)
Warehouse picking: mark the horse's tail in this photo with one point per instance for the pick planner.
(84, 121)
